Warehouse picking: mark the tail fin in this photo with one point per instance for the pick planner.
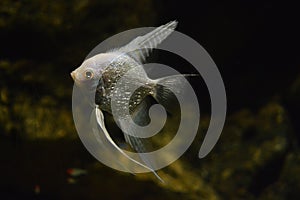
(167, 88)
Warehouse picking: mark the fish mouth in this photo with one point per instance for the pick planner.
(73, 75)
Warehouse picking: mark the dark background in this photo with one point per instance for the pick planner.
(255, 45)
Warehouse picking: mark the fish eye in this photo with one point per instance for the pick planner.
(89, 75)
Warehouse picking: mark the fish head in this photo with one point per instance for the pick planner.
(85, 73)
(90, 71)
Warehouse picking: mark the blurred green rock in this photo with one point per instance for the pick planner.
(250, 154)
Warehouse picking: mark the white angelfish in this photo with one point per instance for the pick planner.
(101, 72)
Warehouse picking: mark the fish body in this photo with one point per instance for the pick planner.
(121, 65)
(101, 73)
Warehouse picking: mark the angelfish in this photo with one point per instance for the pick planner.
(101, 72)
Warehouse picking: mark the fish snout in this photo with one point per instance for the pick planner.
(73, 75)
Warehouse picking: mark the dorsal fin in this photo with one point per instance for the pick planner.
(140, 47)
